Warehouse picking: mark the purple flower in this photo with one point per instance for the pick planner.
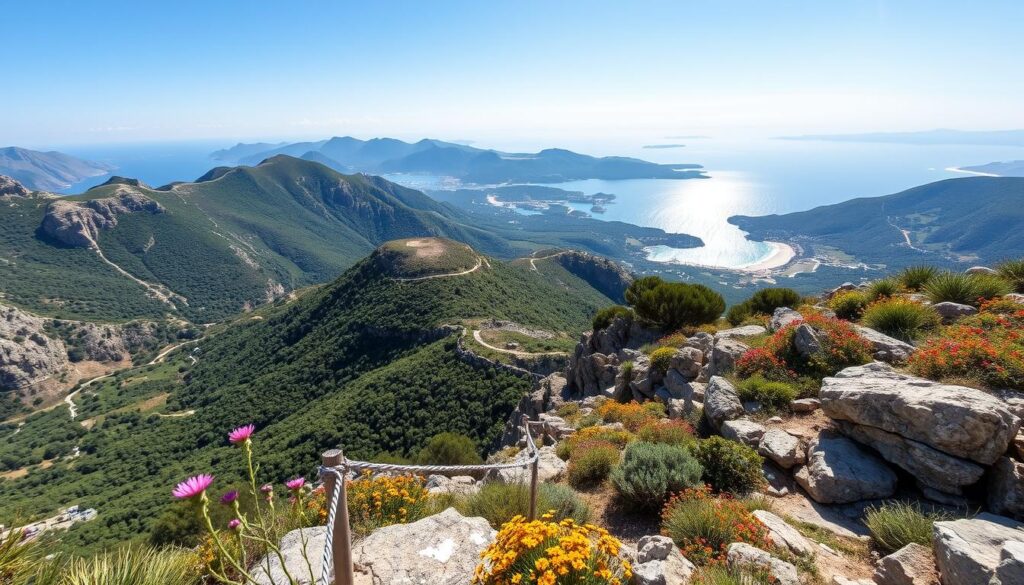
(229, 498)
(234, 524)
(193, 486)
(295, 484)
(241, 434)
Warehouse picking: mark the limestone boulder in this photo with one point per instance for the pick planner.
(911, 565)
(782, 317)
(659, 562)
(783, 535)
(804, 405)
(744, 331)
(721, 402)
(885, 348)
(741, 555)
(724, 355)
(549, 467)
(1010, 569)
(687, 361)
(743, 431)
(967, 551)
(960, 421)
(782, 448)
(1006, 488)
(838, 471)
(270, 571)
(952, 311)
(806, 341)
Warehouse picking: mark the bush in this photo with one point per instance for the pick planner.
(738, 313)
(703, 526)
(449, 449)
(500, 502)
(773, 396)
(661, 357)
(883, 289)
(986, 348)
(673, 432)
(374, 502)
(914, 278)
(966, 289)
(651, 472)
(849, 305)
(778, 359)
(766, 300)
(672, 305)
(592, 463)
(566, 448)
(729, 466)
(901, 318)
(895, 525)
(632, 415)
(1012, 272)
(605, 316)
(990, 286)
(543, 551)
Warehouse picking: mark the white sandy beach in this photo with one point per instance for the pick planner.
(780, 255)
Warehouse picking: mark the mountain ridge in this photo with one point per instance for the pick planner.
(47, 171)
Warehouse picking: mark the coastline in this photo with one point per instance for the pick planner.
(969, 172)
(780, 255)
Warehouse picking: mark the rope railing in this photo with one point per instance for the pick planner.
(338, 541)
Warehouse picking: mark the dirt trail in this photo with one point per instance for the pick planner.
(479, 339)
(479, 263)
(533, 266)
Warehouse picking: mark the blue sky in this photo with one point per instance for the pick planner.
(100, 71)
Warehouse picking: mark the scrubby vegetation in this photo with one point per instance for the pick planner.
(763, 303)
(849, 304)
(651, 472)
(605, 316)
(778, 358)
(883, 289)
(729, 467)
(501, 502)
(671, 305)
(897, 524)
(965, 289)
(1012, 271)
(774, 396)
(449, 449)
(914, 278)
(591, 462)
(901, 318)
(632, 415)
(703, 526)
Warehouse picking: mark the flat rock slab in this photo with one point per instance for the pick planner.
(782, 448)
(743, 431)
(783, 535)
(968, 551)
(269, 570)
(745, 331)
(957, 420)
(885, 348)
(839, 472)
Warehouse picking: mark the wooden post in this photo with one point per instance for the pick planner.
(342, 539)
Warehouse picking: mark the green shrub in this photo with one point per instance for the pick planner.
(914, 278)
(605, 316)
(966, 289)
(883, 289)
(661, 357)
(773, 396)
(990, 286)
(901, 318)
(500, 502)
(449, 449)
(651, 472)
(849, 305)
(591, 462)
(673, 432)
(898, 524)
(672, 305)
(722, 575)
(1012, 272)
(729, 466)
(703, 526)
(766, 300)
(738, 313)
(620, 439)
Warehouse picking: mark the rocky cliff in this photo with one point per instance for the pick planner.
(12, 188)
(78, 223)
(27, 355)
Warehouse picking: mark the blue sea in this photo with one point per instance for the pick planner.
(746, 177)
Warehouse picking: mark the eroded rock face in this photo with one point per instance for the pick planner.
(721, 402)
(1010, 569)
(78, 223)
(783, 535)
(12, 188)
(724, 355)
(442, 549)
(1006, 488)
(968, 551)
(839, 472)
(595, 362)
(27, 355)
(956, 420)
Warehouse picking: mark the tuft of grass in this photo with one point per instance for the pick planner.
(849, 305)
(773, 396)
(990, 286)
(500, 502)
(1012, 272)
(901, 318)
(591, 463)
(135, 566)
(722, 575)
(882, 289)
(897, 524)
(914, 278)
(966, 289)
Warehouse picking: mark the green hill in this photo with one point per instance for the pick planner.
(974, 219)
(364, 362)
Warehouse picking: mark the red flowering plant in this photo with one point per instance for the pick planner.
(778, 359)
(703, 525)
(987, 348)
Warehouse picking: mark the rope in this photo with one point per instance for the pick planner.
(339, 474)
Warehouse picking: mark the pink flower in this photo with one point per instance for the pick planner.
(266, 488)
(295, 484)
(234, 524)
(193, 486)
(241, 434)
(229, 497)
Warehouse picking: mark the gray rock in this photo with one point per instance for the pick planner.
(725, 354)
(1010, 570)
(268, 570)
(960, 421)
(679, 408)
(846, 286)
(911, 565)
(782, 448)
(952, 311)
(741, 555)
(782, 317)
(745, 331)
(743, 431)
(721, 402)
(841, 580)
(1006, 488)
(681, 387)
(803, 405)
(806, 341)
(443, 549)
(687, 361)
(549, 467)
(653, 548)
(1015, 297)
(885, 348)
(968, 551)
(981, 270)
(840, 472)
(783, 535)
(703, 341)
(462, 485)
(27, 355)
(11, 188)
(929, 466)
(78, 223)
(660, 565)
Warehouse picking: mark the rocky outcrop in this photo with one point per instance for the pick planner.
(840, 472)
(724, 355)
(269, 571)
(659, 562)
(784, 536)
(885, 348)
(1010, 569)
(782, 448)
(549, 467)
(594, 364)
(443, 549)
(27, 354)
(744, 331)
(460, 485)
(959, 421)
(1006, 488)
(11, 188)
(109, 343)
(721, 402)
(743, 431)
(967, 551)
(911, 565)
(607, 276)
(78, 223)
(782, 317)
(741, 555)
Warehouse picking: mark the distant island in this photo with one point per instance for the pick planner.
(938, 136)
(665, 146)
(468, 164)
(47, 171)
(1010, 168)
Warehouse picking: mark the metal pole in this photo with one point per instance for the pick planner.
(342, 539)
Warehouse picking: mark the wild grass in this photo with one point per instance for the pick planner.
(773, 396)
(500, 502)
(914, 278)
(898, 524)
(1012, 272)
(966, 289)
(885, 288)
(901, 318)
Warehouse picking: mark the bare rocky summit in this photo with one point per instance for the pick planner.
(78, 223)
(11, 188)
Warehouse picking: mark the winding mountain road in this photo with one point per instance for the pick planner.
(525, 354)
(479, 263)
